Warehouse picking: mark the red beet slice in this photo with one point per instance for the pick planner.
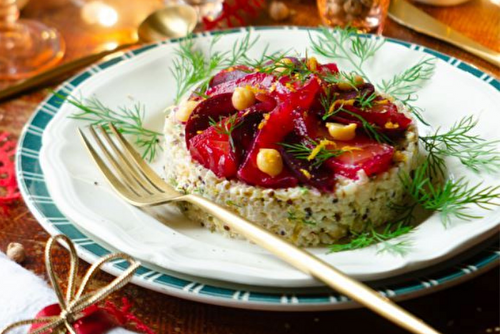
(277, 126)
(328, 68)
(259, 80)
(298, 94)
(317, 176)
(385, 116)
(216, 107)
(213, 150)
(373, 158)
(244, 134)
(230, 74)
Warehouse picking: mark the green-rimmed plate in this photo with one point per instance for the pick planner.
(82, 207)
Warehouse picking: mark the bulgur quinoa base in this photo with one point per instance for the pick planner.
(303, 215)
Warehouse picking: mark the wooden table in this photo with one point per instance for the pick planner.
(471, 308)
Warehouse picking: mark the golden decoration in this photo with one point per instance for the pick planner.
(73, 304)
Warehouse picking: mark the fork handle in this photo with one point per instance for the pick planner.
(314, 266)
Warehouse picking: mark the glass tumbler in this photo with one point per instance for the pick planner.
(364, 15)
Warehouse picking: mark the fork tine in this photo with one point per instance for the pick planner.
(130, 182)
(126, 166)
(146, 171)
(115, 183)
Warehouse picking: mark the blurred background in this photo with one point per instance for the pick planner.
(90, 26)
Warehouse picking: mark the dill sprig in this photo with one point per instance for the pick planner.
(240, 48)
(451, 198)
(193, 67)
(226, 127)
(416, 111)
(329, 103)
(382, 239)
(304, 150)
(297, 71)
(128, 121)
(410, 80)
(346, 44)
(365, 100)
(403, 86)
(342, 77)
(327, 100)
(460, 142)
(370, 129)
(260, 62)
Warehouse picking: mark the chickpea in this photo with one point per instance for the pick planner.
(185, 109)
(345, 85)
(312, 64)
(269, 161)
(358, 80)
(283, 65)
(243, 97)
(341, 131)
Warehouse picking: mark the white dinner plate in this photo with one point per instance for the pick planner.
(83, 198)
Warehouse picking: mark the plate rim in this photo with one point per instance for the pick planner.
(162, 282)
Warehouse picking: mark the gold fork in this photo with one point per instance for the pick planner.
(139, 185)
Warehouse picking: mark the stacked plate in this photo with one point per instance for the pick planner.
(67, 194)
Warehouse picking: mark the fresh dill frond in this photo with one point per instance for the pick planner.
(347, 44)
(381, 239)
(460, 142)
(240, 48)
(304, 151)
(327, 99)
(275, 65)
(226, 127)
(403, 86)
(408, 103)
(451, 198)
(264, 58)
(365, 100)
(192, 66)
(410, 80)
(342, 77)
(370, 129)
(128, 121)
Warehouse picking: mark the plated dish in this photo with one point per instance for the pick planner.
(286, 145)
(185, 247)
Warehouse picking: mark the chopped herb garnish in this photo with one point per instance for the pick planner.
(342, 77)
(366, 100)
(307, 151)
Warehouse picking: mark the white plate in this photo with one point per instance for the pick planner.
(184, 247)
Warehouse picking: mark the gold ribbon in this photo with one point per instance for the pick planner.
(73, 304)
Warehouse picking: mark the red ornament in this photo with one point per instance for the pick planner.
(98, 319)
(7, 171)
(234, 13)
(95, 320)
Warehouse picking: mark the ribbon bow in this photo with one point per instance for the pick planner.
(73, 303)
